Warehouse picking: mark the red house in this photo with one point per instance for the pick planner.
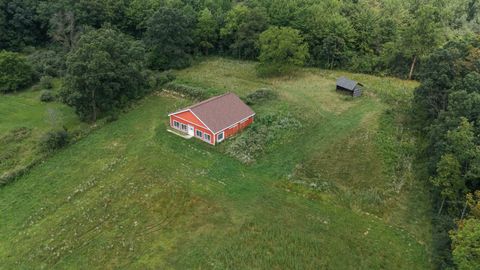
(214, 119)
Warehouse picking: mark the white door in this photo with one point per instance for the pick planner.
(190, 130)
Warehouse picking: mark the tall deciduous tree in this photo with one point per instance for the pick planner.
(281, 49)
(241, 31)
(421, 34)
(103, 73)
(466, 244)
(466, 238)
(329, 34)
(449, 179)
(168, 38)
(64, 29)
(206, 32)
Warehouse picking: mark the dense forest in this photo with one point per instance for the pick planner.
(110, 52)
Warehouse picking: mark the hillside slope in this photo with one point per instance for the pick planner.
(132, 195)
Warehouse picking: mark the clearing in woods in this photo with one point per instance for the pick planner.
(337, 193)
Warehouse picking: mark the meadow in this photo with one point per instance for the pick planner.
(338, 193)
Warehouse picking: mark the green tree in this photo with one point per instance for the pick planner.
(206, 32)
(103, 73)
(138, 12)
(15, 72)
(242, 28)
(473, 203)
(64, 29)
(449, 179)
(168, 39)
(330, 35)
(19, 24)
(421, 34)
(461, 142)
(281, 49)
(466, 244)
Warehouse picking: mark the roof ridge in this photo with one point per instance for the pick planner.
(209, 100)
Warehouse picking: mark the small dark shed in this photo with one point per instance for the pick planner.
(352, 87)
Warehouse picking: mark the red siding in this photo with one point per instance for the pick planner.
(229, 132)
(188, 118)
(196, 127)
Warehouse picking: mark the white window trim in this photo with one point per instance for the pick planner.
(181, 127)
(174, 124)
(205, 137)
(196, 133)
(188, 110)
(223, 136)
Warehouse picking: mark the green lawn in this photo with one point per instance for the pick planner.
(131, 195)
(24, 119)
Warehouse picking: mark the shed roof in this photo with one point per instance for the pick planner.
(220, 112)
(347, 83)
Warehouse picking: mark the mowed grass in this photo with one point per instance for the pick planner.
(23, 121)
(132, 195)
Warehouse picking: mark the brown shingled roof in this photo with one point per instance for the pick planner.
(220, 112)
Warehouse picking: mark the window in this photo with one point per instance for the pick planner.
(207, 137)
(199, 133)
(220, 137)
(184, 127)
(176, 124)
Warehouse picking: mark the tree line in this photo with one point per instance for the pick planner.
(370, 36)
(446, 112)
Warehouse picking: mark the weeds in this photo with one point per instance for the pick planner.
(255, 140)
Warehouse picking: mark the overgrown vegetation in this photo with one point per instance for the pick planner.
(54, 140)
(47, 96)
(186, 90)
(261, 96)
(255, 140)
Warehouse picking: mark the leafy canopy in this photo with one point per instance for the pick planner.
(15, 72)
(281, 49)
(103, 73)
(168, 38)
(466, 244)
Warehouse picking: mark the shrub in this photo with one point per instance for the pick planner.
(364, 64)
(260, 96)
(112, 117)
(47, 96)
(47, 63)
(46, 82)
(54, 140)
(157, 80)
(185, 90)
(15, 72)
